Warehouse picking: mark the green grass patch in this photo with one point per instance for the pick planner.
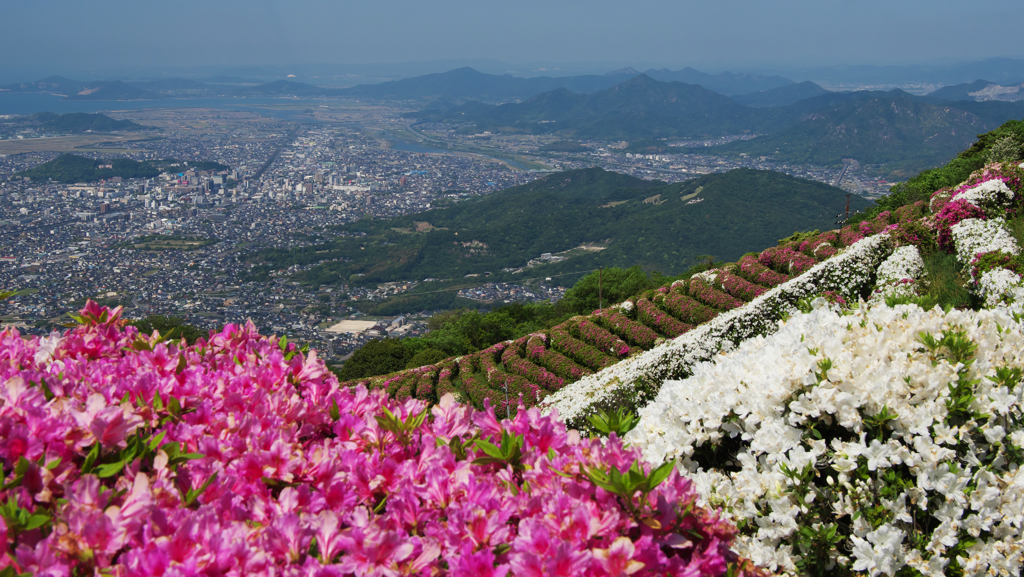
(948, 281)
(1016, 227)
(161, 242)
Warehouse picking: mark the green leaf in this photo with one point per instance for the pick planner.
(335, 413)
(660, 474)
(490, 449)
(37, 520)
(91, 458)
(174, 406)
(155, 441)
(110, 469)
(181, 364)
(47, 393)
(193, 494)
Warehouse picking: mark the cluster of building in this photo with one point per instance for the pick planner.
(512, 293)
(177, 244)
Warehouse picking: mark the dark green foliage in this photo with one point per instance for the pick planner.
(170, 328)
(955, 171)
(467, 331)
(1016, 226)
(76, 122)
(425, 357)
(71, 168)
(564, 146)
(742, 210)
(617, 285)
(619, 422)
(377, 357)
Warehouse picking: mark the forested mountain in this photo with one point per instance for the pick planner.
(659, 226)
(960, 91)
(781, 96)
(641, 107)
(907, 133)
(82, 122)
(726, 83)
(70, 168)
(467, 83)
(75, 122)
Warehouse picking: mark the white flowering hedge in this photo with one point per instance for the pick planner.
(900, 274)
(846, 274)
(977, 241)
(973, 236)
(866, 441)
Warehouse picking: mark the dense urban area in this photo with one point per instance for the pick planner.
(176, 244)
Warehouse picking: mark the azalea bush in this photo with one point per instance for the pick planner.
(633, 382)
(899, 275)
(552, 360)
(881, 440)
(580, 351)
(125, 454)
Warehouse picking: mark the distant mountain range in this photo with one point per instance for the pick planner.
(798, 122)
(77, 90)
(903, 132)
(781, 96)
(640, 107)
(895, 128)
(981, 91)
(456, 85)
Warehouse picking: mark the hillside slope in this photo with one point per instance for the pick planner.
(660, 226)
(881, 128)
(640, 107)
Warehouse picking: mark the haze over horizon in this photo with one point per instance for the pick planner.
(115, 37)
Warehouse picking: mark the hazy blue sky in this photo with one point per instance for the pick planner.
(710, 34)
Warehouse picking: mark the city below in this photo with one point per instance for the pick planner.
(178, 244)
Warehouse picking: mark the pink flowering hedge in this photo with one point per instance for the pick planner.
(685, 308)
(738, 286)
(583, 353)
(786, 260)
(632, 331)
(711, 296)
(951, 214)
(754, 271)
(604, 341)
(650, 314)
(552, 360)
(536, 374)
(123, 455)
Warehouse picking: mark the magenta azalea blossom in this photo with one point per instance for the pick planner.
(125, 455)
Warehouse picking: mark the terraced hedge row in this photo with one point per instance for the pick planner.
(540, 364)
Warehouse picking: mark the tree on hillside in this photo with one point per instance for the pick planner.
(377, 357)
(616, 285)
